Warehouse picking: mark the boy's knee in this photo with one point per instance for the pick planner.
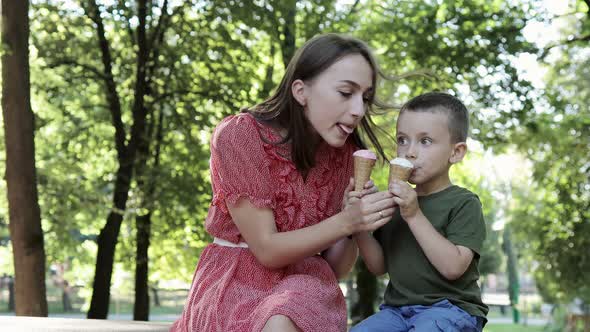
(365, 326)
(443, 325)
(359, 328)
(383, 321)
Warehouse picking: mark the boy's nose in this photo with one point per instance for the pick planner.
(411, 152)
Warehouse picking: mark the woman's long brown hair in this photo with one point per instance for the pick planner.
(283, 111)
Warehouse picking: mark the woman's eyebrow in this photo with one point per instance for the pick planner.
(355, 84)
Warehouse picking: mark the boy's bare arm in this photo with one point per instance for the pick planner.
(449, 259)
(371, 252)
(341, 256)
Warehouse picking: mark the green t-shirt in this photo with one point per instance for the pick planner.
(456, 214)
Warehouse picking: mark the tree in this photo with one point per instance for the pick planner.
(551, 214)
(512, 268)
(24, 214)
(367, 289)
(216, 57)
(126, 151)
(185, 92)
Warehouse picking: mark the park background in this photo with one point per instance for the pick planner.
(125, 95)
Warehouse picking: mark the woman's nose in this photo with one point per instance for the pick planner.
(358, 108)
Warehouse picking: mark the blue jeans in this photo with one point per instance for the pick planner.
(441, 316)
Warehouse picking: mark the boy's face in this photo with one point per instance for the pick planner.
(425, 140)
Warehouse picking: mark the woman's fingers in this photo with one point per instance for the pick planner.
(388, 213)
(382, 213)
(376, 225)
(376, 196)
(349, 187)
(370, 190)
(356, 194)
(381, 205)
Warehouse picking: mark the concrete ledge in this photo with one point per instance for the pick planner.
(40, 324)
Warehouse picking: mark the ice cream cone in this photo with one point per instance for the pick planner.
(400, 169)
(364, 160)
(362, 172)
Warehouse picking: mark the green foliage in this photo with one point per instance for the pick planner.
(192, 89)
(468, 175)
(219, 56)
(552, 215)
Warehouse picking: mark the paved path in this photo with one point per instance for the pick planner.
(536, 321)
(168, 318)
(54, 324)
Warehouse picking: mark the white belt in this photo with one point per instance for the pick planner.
(226, 243)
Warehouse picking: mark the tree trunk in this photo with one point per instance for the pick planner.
(512, 270)
(21, 180)
(141, 308)
(147, 185)
(268, 82)
(10, 285)
(107, 242)
(66, 299)
(107, 239)
(289, 30)
(366, 287)
(156, 297)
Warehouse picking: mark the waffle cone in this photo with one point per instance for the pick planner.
(362, 172)
(397, 172)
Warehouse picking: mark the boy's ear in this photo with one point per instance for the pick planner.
(298, 91)
(459, 151)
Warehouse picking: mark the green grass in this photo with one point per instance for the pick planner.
(512, 328)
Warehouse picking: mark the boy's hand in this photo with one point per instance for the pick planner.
(406, 198)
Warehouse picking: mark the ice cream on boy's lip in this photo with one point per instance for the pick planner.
(400, 169)
(364, 160)
(402, 162)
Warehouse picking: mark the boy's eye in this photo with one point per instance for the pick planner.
(401, 140)
(426, 141)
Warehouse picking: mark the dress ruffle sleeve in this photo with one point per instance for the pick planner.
(239, 166)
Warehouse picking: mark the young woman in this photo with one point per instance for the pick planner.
(280, 223)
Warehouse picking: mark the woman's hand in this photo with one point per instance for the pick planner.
(370, 211)
(350, 195)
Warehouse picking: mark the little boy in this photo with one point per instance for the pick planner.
(431, 247)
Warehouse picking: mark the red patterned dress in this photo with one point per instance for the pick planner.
(231, 290)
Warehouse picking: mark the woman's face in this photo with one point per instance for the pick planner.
(336, 100)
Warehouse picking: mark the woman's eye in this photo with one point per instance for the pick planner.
(426, 141)
(345, 94)
(401, 140)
